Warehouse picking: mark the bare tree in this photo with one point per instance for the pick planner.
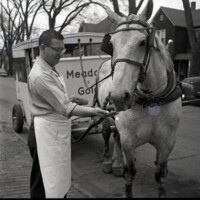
(11, 28)
(14, 21)
(194, 40)
(73, 8)
(28, 10)
(53, 8)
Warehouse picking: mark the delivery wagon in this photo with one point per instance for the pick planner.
(79, 65)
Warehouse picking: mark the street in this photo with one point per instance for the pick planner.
(87, 157)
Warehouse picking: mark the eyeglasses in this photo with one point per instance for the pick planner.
(59, 51)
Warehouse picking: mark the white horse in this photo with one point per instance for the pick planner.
(141, 85)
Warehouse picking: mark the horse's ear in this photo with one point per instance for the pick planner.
(147, 12)
(113, 17)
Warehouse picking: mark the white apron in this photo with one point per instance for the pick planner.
(53, 136)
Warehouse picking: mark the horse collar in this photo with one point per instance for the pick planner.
(171, 93)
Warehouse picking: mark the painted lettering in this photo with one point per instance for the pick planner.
(77, 74)
(70, 74)
(83, 91)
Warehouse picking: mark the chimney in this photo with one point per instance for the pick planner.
(193, 5)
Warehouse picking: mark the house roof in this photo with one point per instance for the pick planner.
(104, 26)
(177, 17)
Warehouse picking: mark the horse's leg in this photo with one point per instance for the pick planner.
(106, 131)
(129, 168)
(163, 151)
(117, 156)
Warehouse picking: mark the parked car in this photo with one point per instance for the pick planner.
(191, 90)
(3, 73)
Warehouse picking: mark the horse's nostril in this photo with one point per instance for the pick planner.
(109, 95)
(127, 96)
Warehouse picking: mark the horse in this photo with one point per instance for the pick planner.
(139, 82)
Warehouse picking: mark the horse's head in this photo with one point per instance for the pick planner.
(129, 45)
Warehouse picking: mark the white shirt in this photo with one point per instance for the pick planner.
(47, 94)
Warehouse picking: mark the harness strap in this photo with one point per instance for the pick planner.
(125, 60)
(131, 29)
(134, 22)
(171, 93)
(170, 85)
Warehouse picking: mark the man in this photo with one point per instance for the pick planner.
(51, 109)
(170, 48)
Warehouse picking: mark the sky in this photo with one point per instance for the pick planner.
(99, 13)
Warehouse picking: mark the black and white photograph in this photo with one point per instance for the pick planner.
(99, 99)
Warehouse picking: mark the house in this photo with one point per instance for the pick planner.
(170, 24)
(103, 26)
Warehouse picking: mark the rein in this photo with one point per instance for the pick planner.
(81, 63)
(95, 123)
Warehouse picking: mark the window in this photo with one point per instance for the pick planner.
(35, 52)
(162, 34)
(20, 68)
(161, 18)
(73, 50)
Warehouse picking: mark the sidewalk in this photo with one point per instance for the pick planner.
(15, 166)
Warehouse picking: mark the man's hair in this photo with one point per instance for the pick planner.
(48, 35)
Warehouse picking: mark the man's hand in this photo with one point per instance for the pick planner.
(104, 113)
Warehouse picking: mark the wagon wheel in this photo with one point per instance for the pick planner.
(17, 118)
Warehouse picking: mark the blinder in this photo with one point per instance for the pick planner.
(150, 38)
(106, 45)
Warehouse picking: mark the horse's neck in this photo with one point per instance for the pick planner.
(156, 77)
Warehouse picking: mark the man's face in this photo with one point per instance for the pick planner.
(53, 52)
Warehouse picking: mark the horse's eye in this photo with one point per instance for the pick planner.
(142, 43)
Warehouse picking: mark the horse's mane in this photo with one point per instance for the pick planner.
(163, 53)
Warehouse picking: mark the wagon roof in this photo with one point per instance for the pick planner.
(69, 38)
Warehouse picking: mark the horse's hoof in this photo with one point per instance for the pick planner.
(163, 196)
(107, 168)
(162, 192)
(118, 171)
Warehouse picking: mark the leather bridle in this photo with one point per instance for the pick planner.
(150, 38)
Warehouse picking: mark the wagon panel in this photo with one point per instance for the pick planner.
(74, 75)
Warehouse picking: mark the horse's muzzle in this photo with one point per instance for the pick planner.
(121, 100)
